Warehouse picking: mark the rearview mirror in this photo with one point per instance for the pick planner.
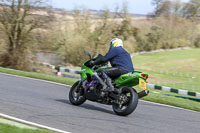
(87, 53)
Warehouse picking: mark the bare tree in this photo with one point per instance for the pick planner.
(192, 8)
(125, 28)
(168, 8)
(18, 18)
(177, 8)
(162, 7)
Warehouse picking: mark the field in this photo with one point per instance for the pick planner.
(179, 69)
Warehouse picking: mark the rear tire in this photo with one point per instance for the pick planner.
(76, 100)
(129, 105)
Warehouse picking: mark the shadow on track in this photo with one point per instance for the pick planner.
(87, 106)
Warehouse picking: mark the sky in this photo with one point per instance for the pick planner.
(134, 6)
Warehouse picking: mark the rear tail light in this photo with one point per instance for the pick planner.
(144, 76)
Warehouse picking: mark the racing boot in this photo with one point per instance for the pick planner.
(110, 86)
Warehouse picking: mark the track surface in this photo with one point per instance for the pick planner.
(48, 104)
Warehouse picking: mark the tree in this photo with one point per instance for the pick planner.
(192, 8)
(102, 34)
(177, 8)
(162, 7)
(72, 42)
(82, 21)
(125, 29)
(18, 19)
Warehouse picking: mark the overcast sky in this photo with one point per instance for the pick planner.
(134, 6)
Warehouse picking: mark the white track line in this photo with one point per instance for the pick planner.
(31, 123)
(70, 86)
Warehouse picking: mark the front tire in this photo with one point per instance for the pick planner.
(127, 103)
(75, 97)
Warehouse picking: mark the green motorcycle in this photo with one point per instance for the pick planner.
(124, 99)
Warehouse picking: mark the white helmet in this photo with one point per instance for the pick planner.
(116, 42)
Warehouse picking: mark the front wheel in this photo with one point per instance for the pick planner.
(127, 102)
(75, 95)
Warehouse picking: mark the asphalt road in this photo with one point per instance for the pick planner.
(48, 104)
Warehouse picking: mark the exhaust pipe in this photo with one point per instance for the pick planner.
(143, 93)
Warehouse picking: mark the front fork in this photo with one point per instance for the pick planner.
(78, 86)
(78, 89)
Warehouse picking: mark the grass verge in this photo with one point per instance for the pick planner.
(16, 124)
(63, 80)
(154, 97)
(5, 128)
(158, 97)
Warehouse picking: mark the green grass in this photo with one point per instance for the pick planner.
(17, 124)
(174, 101)
(158, 97)
(5, 128)
(63, 80)
(178, 69)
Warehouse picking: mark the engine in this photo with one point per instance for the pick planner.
(90, 85)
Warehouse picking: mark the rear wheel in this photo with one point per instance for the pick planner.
(127, 103)
(76, 96)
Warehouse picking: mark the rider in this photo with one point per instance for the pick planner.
(120, 60)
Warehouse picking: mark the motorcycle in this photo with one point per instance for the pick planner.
(124, 99)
